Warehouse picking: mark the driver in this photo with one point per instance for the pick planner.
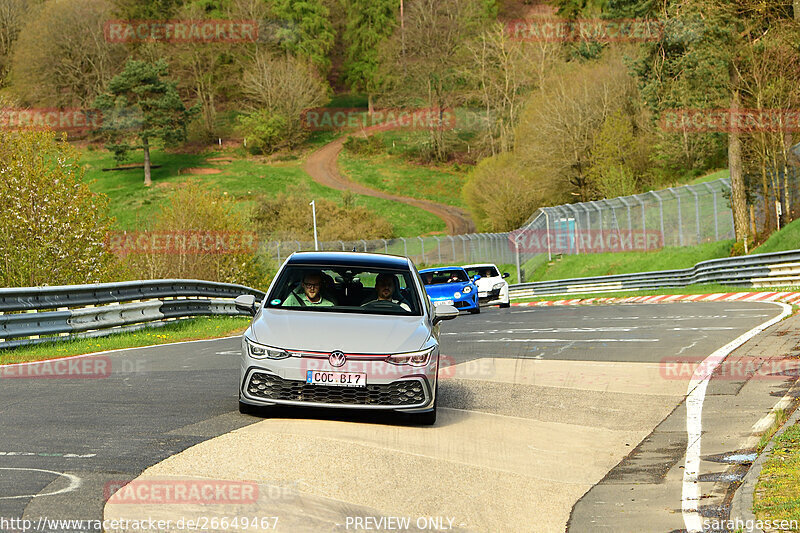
(311, 295)
(384, 288)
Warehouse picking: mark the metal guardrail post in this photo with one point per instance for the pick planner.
(405, 246)
(422, 244)
(680, 218)
(453, 243)
(644, 215)
(438, 247)
(628, 207)
(696, 211)
(385, 246)
(716, 221)
(660, 215)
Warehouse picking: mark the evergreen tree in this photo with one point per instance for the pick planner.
(143, 103)
(369, 22)
(309, 32)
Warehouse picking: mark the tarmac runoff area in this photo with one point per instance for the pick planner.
(526, 429)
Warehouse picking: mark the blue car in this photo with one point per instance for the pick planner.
(451, 286)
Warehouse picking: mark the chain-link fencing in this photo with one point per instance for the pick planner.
(677, 216)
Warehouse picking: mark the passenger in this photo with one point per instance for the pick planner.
(427, 278)
(311, 295)
(384, 289)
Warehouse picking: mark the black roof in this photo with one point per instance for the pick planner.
(349, 259)
(441, 269)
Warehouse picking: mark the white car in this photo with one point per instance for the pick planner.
(492, 286)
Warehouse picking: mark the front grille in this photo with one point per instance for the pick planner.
(491, 295)
(461, 304)
(400, 393)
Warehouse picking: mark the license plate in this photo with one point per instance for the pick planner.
(443, 302)
(336, 379)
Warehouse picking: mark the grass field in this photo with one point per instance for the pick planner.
(182, 330)
(394, 175)
(787, 238)
(243, 178)
(586, 265)
(776, 494)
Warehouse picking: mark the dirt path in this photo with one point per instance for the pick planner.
(322, 167)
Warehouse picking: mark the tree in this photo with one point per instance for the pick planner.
(147, 9)
(425, 63)
(369, 22)
(141, 100)
(557, 129)
(281, 86)
(52, 227)
(309, 33)
(501, 195)
(502, 73)
(619, 159)
(61, 57)
(12, 17)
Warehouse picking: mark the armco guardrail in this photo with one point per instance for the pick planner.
(32, 315)
(776, 269)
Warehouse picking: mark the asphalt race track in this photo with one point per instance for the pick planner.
(538, 406)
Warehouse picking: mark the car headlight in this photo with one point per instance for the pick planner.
(261, 351)
(456, 294)
(466, 290)
(498, 286)
(420, 358)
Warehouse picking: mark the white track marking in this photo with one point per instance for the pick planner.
(565, 340)
(74, 483)
(695, 396)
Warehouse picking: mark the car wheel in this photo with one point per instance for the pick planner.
(505, 305)
(475, 311)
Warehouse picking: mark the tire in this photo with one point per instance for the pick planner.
(505, 305)
(475, 311)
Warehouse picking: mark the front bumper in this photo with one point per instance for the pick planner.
(388, 387)
(469, 302)
(494, 297)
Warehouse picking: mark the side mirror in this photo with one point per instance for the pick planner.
(246, 303)
(444, 312)
(476, 277)
(505, 275)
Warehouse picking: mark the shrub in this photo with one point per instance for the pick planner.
(288, 217)
(52, 227)
(499, 194)
(266, 131)
(192, 209)
(364, 146)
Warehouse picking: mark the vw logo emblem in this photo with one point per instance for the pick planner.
(337, 359)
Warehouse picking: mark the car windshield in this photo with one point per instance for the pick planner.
(484, 272)
(435, 277)
(345, 289)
